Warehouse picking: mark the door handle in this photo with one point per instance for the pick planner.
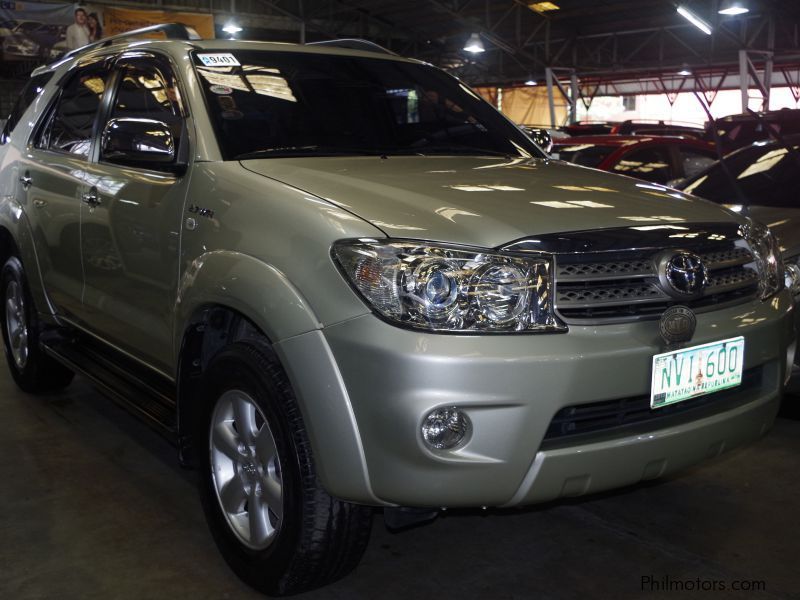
(26, 180)
(91, 198)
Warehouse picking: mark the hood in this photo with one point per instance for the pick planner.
(485, 202)
(784, 223)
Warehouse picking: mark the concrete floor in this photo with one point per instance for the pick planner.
(93, 505)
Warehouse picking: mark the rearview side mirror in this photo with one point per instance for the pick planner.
(139, 143)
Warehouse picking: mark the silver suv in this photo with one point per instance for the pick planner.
(338, 280)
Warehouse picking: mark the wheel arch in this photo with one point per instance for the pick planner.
(16, 238)
(320, 392)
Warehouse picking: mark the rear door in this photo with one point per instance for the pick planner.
(53, 182)
(130, 233)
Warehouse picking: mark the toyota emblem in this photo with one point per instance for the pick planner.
(682, 274)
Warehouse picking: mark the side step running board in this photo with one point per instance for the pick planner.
(144, 393)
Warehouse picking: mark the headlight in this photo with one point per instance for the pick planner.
(441, 288)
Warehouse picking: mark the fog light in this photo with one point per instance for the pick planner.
(446, 428)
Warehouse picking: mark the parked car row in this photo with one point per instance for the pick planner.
(659, 159)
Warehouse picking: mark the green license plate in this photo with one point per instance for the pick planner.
(692, 372)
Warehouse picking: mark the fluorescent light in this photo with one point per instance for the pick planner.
(733, 8)
(541, 7)
(694, 20)
(231, 28)
(474, 44)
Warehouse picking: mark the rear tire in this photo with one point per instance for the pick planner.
(33, 371)
(273, 522)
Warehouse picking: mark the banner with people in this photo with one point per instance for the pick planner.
(39, 32)
(121, 20)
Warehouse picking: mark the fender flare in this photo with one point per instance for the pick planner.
(247, 285)
(14, 222)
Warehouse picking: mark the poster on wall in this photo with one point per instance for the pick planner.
(37, 31)
(121, 20)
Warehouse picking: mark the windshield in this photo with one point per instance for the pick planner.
(767, 175)
(272, 104)
(587, 155)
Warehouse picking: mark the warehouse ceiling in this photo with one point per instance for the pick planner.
(595, 37)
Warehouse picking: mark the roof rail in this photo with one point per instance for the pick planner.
(354, 44)
(173, 31)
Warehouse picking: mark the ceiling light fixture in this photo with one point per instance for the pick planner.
(541, 7)
(531, 81)
(733, 8)
(685, 71)
(231, 28)
(694, 20)
(474, 44)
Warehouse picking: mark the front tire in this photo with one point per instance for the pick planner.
(33, 371)
(274, 523)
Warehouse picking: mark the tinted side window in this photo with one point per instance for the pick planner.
(31, 90)
(586, 155)
(651, 164)
(148, 90)
(765, 176)
(69, 127)
(694, 160)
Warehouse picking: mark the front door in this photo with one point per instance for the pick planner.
(130, 230)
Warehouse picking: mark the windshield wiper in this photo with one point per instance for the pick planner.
(309, 151)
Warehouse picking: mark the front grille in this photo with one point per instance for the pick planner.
(589, 420)
(602, 286)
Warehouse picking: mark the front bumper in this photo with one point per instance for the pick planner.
(369, 380)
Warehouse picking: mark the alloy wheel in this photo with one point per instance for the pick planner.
(16, 325)
(246, 469)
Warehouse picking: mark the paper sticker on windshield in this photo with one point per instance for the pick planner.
(218, 60)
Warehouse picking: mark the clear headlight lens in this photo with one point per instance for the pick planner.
(768, 258)
(440, 288)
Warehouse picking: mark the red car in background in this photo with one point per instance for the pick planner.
(659, 159)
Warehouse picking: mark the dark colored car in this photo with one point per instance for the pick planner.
(540, 135)
(648, 127)
(739, 131)
(762, 179)
(659, 159)
(765, 177)
(589, 128)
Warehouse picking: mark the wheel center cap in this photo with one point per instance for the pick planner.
(250, 470)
